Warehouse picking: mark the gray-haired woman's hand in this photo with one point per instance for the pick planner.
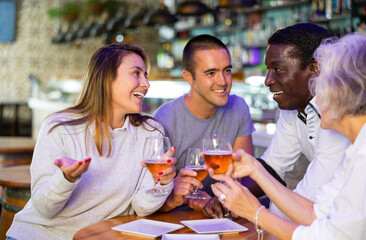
(238, 198)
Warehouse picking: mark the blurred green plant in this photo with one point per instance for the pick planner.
(68, 12)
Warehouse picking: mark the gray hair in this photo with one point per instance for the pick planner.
(341, 83)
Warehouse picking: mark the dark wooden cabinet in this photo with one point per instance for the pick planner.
(15, 119)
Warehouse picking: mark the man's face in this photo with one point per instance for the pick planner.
(212, 77)
(285, 78)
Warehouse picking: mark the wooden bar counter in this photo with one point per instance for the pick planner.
(102, 230)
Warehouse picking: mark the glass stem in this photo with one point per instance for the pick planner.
(157, 185)
(195, 191)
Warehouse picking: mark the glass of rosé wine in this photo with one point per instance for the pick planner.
(195, 162)
(217, 152)
(156, 155)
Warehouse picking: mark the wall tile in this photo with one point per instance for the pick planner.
(33, 53)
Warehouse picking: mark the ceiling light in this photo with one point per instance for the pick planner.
(161, 16)
(136, 20)
(236, 3)
(192, 8)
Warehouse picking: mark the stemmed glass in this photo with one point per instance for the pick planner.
(217, 151)
(195, 162)
(156, 155)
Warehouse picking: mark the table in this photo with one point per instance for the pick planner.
(16, 150)
(16, 180)
(102, 230)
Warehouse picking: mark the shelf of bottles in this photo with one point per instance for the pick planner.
(246, 30)
(339, 16)
(326, 10)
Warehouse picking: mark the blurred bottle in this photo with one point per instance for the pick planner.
(321, 8)
(346, 6)
(314, 8)
(336, 7)
(34, 86)
(328, 9)
(165, 58)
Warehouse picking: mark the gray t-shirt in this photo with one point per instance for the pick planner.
(185, 130)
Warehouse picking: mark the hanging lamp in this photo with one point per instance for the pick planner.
(236, 3)
(118, 20)
(137, 19)
(161, 16)
(192, 8)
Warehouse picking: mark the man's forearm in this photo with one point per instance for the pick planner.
(253, 186)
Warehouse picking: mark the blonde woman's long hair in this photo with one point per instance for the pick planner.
(93, 104)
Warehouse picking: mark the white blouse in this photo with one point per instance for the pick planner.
(340, 205)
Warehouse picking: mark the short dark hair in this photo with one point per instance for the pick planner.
(200, 42)
(304, 37)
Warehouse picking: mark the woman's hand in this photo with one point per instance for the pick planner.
(72, 168)
(167, 176)
(244, 164)
(236, 198)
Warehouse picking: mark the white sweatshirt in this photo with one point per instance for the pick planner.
(112, 186)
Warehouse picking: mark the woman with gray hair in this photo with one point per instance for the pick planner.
(339, 209)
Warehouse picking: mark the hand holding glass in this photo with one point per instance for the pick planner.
(195, 162)
(218, 152)
(156, 155)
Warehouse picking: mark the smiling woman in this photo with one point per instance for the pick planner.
(87, 165)
(114, 73)
(128, 89)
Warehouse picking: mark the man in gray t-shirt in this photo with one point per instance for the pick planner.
(205, 110)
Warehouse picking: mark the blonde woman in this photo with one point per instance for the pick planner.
(86, 163)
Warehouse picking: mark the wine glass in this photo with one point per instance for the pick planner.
(156, 155)
(217, 152)
(195, 162)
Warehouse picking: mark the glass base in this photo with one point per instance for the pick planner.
(195, 196)
(157, 192)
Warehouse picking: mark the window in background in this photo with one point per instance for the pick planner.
(7, 20)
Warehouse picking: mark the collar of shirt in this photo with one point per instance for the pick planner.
(127, 126)
(312, 119)
(359, 143)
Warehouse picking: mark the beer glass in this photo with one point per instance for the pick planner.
(217, 151)
(195, 162)
(156, 153)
